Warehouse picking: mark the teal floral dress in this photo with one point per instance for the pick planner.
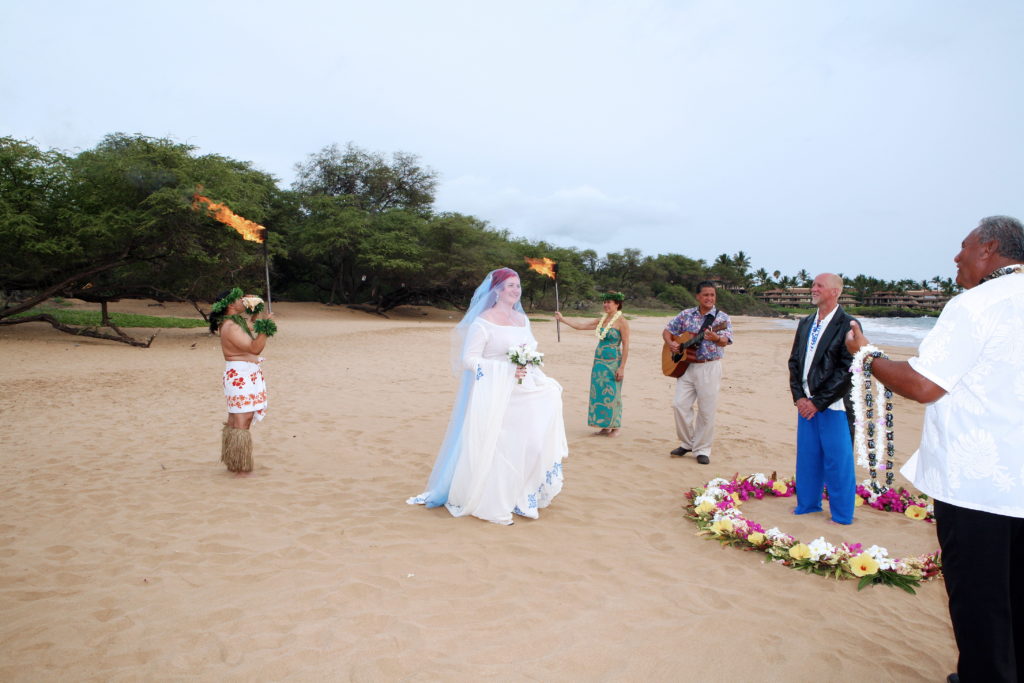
(605, 393)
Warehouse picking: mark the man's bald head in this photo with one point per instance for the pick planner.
(825, 292)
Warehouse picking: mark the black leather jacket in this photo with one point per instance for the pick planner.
(829, 378)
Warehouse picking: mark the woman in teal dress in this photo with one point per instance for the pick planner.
(612, 332)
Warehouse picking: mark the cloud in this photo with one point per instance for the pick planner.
(583, 216)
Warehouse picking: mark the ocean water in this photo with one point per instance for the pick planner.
(891, 331)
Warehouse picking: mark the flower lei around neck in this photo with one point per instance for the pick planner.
(870, 420)
(261, 326)
(601, 331)
(1005, 270)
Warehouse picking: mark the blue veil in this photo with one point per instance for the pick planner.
(440, 481)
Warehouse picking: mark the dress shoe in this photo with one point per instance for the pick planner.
(679, 452)
(703, 459)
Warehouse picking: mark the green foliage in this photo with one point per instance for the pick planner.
(120, 220)
(366, 180)
(92, 318)
(888, 577)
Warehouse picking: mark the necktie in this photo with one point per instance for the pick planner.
(815, 331)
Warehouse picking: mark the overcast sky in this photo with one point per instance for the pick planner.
(858, 137)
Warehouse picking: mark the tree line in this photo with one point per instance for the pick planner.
(356, 227)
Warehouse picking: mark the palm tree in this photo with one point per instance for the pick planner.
(804, 278)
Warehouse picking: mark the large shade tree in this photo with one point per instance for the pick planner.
(118, 220)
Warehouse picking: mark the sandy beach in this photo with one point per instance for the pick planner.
(127, 552)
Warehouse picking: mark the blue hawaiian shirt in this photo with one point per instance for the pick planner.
(691, 319)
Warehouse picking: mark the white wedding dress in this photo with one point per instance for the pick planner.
(513, 438)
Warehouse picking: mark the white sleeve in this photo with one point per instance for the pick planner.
(953, 346)
(473, 351)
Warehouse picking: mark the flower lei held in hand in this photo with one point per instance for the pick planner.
(602, 330)
(868, 427)
(714, 508)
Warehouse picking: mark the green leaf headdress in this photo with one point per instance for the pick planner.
(234, 295)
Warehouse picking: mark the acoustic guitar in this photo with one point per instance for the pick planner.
(675, 364)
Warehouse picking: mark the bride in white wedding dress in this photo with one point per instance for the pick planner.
(503, 451)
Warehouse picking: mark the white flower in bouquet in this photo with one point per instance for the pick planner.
(522, 356)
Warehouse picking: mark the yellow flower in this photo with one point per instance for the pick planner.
(705, 507)
(780, 487)
(800, 551)
(756, 538)
(722, 526)
(916, 512)
(863, 564)
(736, 500)
(858, 501)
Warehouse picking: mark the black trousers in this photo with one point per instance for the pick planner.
(983, 565)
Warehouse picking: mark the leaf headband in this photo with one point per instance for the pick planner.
(234, 295)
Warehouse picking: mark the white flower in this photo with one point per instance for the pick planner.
(819, 548)
(759, 478)
(878, 553)
(716, 482)
(715, 492)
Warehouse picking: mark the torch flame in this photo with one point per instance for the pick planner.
(544, 266)
(253, 232)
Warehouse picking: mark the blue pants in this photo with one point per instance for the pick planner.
(824, 457)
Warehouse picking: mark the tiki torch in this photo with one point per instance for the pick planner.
(251, 232)
(546, 266)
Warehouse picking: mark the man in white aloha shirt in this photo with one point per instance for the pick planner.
(970, 370)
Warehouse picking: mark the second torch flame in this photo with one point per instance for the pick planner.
(546, 266)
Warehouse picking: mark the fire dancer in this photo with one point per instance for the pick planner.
(244, 386)
(612, 332)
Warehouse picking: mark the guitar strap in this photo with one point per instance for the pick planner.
(708, 319)
(698, 337)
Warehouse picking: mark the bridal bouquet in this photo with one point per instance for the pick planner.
(522, 356)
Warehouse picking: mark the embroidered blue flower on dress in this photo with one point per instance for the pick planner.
(517, 511)
(479, 373)
(533, 500)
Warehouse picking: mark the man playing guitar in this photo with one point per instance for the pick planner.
(696, 395)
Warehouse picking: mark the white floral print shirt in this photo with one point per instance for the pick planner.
(972, 446)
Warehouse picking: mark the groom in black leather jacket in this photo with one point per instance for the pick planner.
(820, 380)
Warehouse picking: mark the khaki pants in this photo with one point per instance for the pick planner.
(697, 393)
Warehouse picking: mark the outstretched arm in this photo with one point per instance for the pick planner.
(897, 375)
(589, 325)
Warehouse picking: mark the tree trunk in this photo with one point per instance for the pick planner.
(50, 291)
(81, 331)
